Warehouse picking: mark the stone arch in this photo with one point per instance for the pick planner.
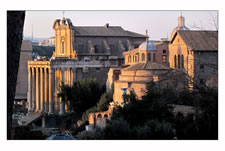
(106, 116)
(99, 116)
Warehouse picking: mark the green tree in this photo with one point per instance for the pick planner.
(82, 95)
(102, 105)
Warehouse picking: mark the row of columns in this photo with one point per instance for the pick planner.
(43, 86)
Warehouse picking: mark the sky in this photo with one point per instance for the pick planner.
(158, 23)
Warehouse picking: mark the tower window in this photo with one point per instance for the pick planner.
(62, 47)
(164, 51)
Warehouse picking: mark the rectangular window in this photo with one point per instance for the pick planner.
(97, 48)
(97, 69)
(129, 84)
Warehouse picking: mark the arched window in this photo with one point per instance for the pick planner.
(149, 57)
(153, 57)
(143, 57)
(164, 51)
(175, 61)
(178, 61)
(182, 62)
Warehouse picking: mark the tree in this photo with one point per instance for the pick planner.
(102, 104)
(81, 96)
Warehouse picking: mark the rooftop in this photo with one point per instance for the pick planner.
(111, 31)
(200, 40)
(147, 66)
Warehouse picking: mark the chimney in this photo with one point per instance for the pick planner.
(107, 25)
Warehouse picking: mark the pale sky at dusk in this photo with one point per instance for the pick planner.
(158, 23)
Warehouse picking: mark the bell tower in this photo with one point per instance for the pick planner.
(64, 35)
(181, 21)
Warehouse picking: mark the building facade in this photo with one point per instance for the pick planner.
(80, 53)
(148, 52)
(196, 54)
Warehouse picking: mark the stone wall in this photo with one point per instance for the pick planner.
(205, 66)
(99, 73)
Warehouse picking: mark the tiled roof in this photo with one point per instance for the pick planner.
(146, 66)
(110, 31)
(200, 40)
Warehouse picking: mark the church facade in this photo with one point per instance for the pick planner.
(80, 53)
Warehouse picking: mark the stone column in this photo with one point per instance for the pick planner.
(29, 99)
(51, 90)
(56, 90)
(33, 89)
(37, 90)
(62, 104)
(41, 90)
(46, 90)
